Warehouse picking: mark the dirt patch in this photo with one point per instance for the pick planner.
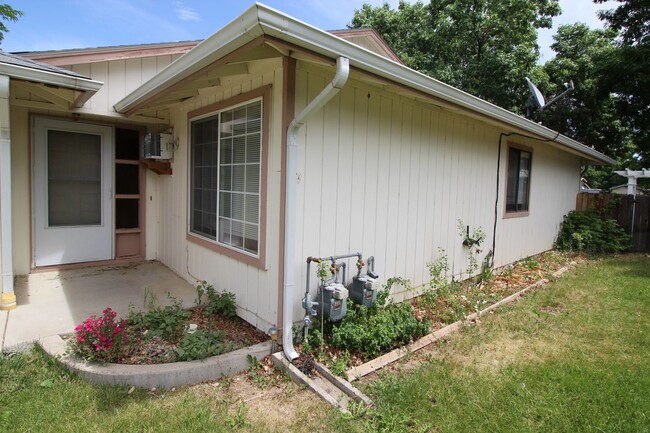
(305, 364)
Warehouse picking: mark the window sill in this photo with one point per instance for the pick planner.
(257, 262)
(508, 215)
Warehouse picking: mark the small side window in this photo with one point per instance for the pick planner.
(518, 187)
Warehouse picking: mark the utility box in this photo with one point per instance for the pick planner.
(363, 290)
(334, 298)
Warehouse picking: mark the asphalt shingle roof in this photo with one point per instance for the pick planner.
(13, 59)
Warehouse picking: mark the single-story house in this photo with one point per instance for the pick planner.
(234, 159)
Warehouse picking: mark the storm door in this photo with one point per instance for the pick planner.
(72, 192)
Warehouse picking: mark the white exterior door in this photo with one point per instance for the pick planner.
(72, 192)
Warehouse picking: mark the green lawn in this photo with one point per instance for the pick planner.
(571, 357)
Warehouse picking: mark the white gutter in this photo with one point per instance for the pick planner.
(337, 83)
(87, 86)
(7, 297)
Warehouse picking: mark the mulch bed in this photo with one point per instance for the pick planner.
(234, 330)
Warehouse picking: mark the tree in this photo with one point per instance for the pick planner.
(7, 13)
(625, 73)
(587, 114)
(484, 47)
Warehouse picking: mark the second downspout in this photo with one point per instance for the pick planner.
(337, 83)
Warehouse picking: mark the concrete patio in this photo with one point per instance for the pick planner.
(54, 302)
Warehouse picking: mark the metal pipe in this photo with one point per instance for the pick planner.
(339, 80)
(338, 266)
(343, 256)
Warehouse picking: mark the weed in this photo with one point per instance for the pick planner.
(341, 364)
(202, 344)
(530, 263)
(238, 420)
(438, 270)
(165, 322)
(223, 303)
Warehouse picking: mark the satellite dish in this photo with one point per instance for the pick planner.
(535, 94)
(536, 100)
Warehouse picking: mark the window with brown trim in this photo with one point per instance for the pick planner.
(226, 175)
(518, 189)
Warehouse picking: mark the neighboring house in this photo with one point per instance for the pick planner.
(386, 166)
(623, 189)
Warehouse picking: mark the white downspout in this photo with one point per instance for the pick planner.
(340, 78)
(8, 298)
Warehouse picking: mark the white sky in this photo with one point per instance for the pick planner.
(61, 24)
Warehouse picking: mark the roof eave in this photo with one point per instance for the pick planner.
(87, 86)
(234, 35)
(261, 20)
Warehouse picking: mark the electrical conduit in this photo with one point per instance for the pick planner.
(337, 83)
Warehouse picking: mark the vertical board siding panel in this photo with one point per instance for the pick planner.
(329, 159)
(392, 228)
(358, 185)
(446, 186)
(431, 220)
(99, 72)
(371, 229)
(149, 68)
(312, 178)
(423, 198)
(343, 180)
(116, 82)
(162, 62)
(402, 202)
(132, 75)
(413, 193)
(382, 229)
(437, 186)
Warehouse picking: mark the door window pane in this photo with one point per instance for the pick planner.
(74, 179)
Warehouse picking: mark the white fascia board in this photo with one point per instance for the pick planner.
(38, 76)
(261, 20)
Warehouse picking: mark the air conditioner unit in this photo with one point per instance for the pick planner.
(158, 146)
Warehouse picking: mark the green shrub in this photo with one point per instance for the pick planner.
(372, 331)
(591, 233)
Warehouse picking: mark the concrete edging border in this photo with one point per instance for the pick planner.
(371, 366)
(166, 376)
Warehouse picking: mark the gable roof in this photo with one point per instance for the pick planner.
(260, 21)
(21, 68)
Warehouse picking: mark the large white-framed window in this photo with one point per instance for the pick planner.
(518, 181)
(226, 176)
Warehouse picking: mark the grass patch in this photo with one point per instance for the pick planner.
(572, 357)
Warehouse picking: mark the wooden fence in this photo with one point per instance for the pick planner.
(631, 212)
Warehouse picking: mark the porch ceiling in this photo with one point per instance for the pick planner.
(211, 77)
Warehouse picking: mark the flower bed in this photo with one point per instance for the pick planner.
(164, 334)
(366, 333)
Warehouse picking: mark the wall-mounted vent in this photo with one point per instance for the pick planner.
(158, 146)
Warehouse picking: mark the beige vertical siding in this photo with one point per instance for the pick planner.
(256, 290)
(390, 177)
(120, 77)
(20, 190)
